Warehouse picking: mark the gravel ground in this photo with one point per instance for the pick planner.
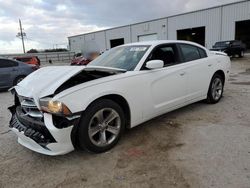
(199, 145)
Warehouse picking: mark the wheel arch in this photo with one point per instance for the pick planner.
(208, 99)
(122, 102)
(221, 73)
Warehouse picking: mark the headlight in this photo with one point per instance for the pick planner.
(54, 107)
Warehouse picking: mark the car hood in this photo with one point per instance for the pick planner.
(45, 81)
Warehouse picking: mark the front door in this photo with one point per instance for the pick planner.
(166, 86)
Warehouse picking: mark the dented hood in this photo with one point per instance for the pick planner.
(45, 81)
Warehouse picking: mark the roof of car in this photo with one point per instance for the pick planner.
(159, 42)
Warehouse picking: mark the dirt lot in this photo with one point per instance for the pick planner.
(199, 145)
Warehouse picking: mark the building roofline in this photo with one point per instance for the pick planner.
(156, 19)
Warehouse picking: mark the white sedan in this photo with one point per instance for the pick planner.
(61, 108)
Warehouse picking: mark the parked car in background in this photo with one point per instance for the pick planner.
(89, 107)
(12, 72)
(32, 60)
(79, 59)
(231, 48)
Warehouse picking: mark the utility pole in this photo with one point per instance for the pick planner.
(21, 34)
(55, 46)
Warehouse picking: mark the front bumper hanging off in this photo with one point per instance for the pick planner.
(40, 136)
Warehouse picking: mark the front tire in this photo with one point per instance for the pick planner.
(101, 126)
(216, 89)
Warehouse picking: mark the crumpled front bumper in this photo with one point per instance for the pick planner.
(42, 137)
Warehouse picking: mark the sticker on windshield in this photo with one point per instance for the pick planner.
(138, 49)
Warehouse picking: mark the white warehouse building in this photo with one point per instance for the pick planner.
(207, 26)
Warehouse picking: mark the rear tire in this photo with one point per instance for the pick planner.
(216, 89)
(18, 79)
(101, 126)
(241, 54)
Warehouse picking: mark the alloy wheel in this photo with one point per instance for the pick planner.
(104, 127)
(217, 88)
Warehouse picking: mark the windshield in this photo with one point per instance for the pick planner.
(222, 44)
(123, 57)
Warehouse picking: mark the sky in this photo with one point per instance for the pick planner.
(48, 23)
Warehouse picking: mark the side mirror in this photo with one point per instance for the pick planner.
(155, 64)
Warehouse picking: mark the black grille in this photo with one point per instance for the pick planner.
(32, 128)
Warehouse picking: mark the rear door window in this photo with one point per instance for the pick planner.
(236, 43)
(191, 53)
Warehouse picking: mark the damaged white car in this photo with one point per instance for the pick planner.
(88, 107)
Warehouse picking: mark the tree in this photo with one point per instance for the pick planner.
(56, 50)
(32, 51)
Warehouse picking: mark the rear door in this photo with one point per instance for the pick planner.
(8, 72)
(198, 70)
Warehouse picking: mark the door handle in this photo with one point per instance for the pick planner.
(210, 65)
(182, 74)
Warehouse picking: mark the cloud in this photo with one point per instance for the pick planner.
(50, 22)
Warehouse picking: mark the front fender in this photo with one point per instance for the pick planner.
(78, 101)
(81, 98)
(130, 86)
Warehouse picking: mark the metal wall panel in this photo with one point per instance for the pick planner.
(116, 33)
(210, 18)
(75, 43)
(158, 27)
(219, 23)
(231, 14)
(94, 41)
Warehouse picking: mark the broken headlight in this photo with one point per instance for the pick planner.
(54, 107)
